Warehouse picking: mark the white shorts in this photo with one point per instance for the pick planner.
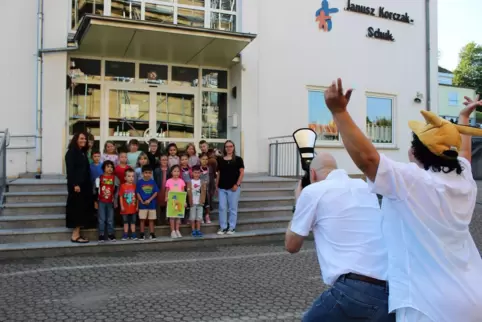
(408, 314)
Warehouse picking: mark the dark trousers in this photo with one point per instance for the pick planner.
(351, 300)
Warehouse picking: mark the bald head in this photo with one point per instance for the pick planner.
(321, 166)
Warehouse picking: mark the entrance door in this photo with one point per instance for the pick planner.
(143, 112)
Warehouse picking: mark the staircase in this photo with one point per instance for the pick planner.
(32, 222)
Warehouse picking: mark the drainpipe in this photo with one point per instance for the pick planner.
(39, 88)
(427, 53)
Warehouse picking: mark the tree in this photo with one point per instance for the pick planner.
(469, 70)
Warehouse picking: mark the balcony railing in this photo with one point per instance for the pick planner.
(213, 14)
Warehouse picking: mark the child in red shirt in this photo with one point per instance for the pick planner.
(106, 190)
(128, 204)
(120, 169)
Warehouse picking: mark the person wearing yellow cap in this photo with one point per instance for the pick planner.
(434, 267)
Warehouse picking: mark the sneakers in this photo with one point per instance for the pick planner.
(173, 234)
(112, 238)
(101, 238)
(153, 236)
(231, 231)
(125, 236)
(133, 236)
(178, 233)
(141, 236)
(207, 219)
(222, 231)
(196, 233)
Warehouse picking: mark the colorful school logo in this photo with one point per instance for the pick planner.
(323, 16)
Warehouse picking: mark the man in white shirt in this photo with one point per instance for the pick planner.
(434, 268)
(346, 222)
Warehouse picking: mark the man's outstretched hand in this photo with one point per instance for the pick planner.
(335, 99)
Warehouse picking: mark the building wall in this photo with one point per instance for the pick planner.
(446, 95)
(19, 62)
(291, 53)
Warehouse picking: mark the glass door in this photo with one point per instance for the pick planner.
(145, 112)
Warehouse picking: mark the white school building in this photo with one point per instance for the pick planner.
(182, 71)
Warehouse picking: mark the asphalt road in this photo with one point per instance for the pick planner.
(238, 283)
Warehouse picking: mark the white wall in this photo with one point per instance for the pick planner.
(56, 29)
(292, 53)
(18, 82)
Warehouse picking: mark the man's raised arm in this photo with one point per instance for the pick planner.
(359, 147)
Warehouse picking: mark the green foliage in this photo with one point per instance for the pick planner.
(469, 70)
(383, 121)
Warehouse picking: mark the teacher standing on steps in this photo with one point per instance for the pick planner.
(80, 200)
(434, 267)
(229, 177)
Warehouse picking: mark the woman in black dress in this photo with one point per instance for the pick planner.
(80, 200)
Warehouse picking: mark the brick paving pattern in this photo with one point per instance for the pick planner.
(236, 283)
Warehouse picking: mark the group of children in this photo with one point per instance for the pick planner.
(137, 184)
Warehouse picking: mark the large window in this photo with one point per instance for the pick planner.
(128, 113)
(175, 116)
(215, 14)
(214, 115)
(453, 99)
(84, 109)
(320, 118)
(379, 119)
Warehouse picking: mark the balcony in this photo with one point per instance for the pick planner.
(211, 14)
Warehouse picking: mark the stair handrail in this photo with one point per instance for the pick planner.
(4, 143)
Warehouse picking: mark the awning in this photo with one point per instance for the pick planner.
(144, 40)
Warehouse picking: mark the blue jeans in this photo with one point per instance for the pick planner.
(228, 201)
(351, 300)
(106, 215)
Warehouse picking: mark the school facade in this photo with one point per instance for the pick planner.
(188, 70)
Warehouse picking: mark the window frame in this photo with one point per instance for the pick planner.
(322, 143)
(393, 98)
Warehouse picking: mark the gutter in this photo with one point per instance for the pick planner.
(39, 89)
(427, 54)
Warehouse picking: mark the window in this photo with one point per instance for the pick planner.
(379, 119)
(320, 118)
(85, 69)
(120, 71)
(153, 74)
(215, 78)
(185, 76)
(175, 116)
(84, 109)
(453, 99)
(128, 113)
(82, 7)
(214, 115)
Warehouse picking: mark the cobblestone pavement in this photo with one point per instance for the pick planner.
(237, 283)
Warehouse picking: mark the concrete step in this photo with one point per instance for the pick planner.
(61, 234)
(267, 192)
(268, 182)
(29, 185)
(162, 243)
(37, 196)
(258, 202)
(61, 195)
(260, 212)
(31, 208)
(32, 221)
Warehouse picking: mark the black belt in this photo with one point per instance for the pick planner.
(370, 280)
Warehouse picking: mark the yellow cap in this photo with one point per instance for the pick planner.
(440, 135)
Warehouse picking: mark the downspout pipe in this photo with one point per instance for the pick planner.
(427, 54)
(39, 89)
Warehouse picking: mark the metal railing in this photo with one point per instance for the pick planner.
(4, 142)
(284, 159)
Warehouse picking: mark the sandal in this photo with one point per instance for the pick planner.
(80, 240)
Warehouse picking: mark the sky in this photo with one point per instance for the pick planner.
(458, 24)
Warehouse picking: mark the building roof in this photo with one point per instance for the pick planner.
(443, 70)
